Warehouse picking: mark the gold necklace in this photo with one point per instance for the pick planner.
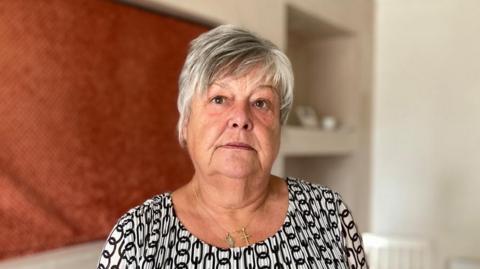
(228, 237)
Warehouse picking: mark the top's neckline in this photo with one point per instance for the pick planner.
(290, 211)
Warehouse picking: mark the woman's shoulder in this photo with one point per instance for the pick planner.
(137, 232)
(317, 196)
(297, 186)
(157, 206)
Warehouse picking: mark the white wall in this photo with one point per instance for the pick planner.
(266, 17)
(426, 157)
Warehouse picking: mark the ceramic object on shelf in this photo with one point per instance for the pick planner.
(329, 123)
(307, 116)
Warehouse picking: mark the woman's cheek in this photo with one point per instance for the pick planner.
(272, 124)
(215, 110)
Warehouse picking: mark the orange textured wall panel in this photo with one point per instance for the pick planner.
(87, 117)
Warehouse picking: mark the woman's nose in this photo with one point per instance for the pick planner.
(241, 118)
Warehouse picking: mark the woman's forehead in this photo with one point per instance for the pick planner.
(256, 77)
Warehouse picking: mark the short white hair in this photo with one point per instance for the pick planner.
(227, 50)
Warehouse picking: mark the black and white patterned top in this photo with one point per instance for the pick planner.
(318, 232)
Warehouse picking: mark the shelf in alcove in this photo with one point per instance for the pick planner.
(301, 141)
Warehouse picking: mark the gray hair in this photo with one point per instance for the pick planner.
(227, 50)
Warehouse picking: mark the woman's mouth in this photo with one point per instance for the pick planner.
(238, 145)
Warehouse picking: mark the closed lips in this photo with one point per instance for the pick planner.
(238, 146)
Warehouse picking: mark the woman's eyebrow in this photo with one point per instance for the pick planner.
(263, 87)
(266, 86)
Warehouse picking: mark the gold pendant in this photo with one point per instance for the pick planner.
(230, 241)
(245, 235)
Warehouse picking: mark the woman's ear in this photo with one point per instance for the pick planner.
(184, 135)
(185, 132)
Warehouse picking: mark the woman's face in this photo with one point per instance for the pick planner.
(234, 128)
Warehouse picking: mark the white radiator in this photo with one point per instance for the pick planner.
(397, 253)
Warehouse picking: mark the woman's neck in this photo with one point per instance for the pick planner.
(232, 212)
(232, 198)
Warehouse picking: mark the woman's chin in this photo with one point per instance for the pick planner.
(238, 170)
(236, 165)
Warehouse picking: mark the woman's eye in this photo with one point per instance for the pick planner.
(218, 100)
(261, 104)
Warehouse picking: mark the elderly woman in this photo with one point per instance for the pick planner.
(236, 91)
